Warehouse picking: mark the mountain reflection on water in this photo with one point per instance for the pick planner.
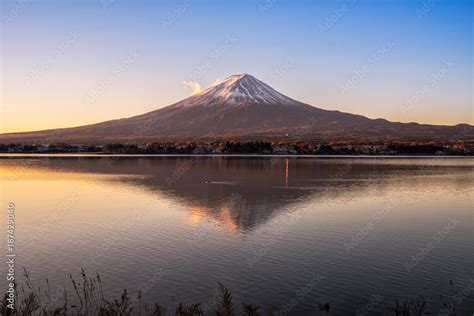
(242, 192)
(262, 226)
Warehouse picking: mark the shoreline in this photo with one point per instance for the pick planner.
(102, 155)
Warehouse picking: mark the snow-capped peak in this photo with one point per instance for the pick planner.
(237, 90)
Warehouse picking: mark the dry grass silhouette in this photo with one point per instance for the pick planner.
(88, 299)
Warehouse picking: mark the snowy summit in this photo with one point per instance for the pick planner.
(237, 90)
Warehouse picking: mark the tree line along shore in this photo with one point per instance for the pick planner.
(251, 147)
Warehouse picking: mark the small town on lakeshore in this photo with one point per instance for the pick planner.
(460, 148)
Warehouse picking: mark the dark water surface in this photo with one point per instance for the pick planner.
(282, 233)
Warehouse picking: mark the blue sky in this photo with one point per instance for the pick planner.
(68, 63)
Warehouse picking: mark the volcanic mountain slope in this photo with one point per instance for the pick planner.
(242, 108)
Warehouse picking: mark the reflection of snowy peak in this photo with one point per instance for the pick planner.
(237, 90)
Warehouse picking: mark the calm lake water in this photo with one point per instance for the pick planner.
(285, 234)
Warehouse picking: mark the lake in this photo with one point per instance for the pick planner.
(283, 233)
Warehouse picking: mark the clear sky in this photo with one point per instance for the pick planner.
(69, 63)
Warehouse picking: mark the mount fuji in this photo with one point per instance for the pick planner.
(243, 108)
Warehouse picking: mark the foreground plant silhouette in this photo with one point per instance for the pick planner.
(88, 299)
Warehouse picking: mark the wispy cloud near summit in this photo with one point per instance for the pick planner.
(193, 86)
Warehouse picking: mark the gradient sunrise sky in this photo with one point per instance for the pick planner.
(69, 63)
